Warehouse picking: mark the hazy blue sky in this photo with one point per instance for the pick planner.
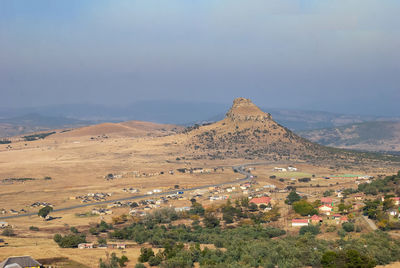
(331, 55)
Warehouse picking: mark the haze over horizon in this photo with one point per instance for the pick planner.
(330, 56)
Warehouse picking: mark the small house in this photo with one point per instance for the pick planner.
(265, 200)
(315, 219)
(300, 222)
(3, 224)
(20, 262)
(85, 245)
(325, 209)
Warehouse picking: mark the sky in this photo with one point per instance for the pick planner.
(328, 55)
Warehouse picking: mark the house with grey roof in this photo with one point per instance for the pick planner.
(20, 262)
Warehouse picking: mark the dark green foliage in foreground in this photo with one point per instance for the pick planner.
(250, 245)
(69, 241)
(297, 251)
(348, 258)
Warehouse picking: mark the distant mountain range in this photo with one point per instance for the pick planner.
(321, 127)
(35, 122)
(380, 136)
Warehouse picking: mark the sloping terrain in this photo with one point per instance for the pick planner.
(369, 136)
(123, 129)
(249, 133)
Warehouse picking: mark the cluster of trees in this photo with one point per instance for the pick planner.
(69, 240)
(347, 258)
(38, 136)
(378, 210)
(293, 251)
(102, 227)
(249, 245)
(114, 261)
(385, 185)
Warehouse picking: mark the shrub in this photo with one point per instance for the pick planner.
(140, 265)
(155, 260)
(348, 227)
(312, 229)
(8, 232)
(34, 228)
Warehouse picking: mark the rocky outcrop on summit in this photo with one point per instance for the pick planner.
(244, 110)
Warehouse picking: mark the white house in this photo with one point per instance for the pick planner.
(300, 222)
(326, 209)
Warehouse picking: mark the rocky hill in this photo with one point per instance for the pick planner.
(369, 136)
(247, 132)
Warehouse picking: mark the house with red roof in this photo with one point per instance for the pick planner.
(265, 200)
(300, 222)
(315, 219)
(327, 200)
(325, 209)
(344, 219)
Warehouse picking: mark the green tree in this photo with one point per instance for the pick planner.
(210, 220)
(312, 229)
(43, 212)
(348, 226)
(145, 254)
(197, 209)
(292, 197)
(304, 208)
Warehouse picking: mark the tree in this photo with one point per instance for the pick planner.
(74, 230)
(43, 212)
(145, 254)
(348, 227)
(69, 241)
(114, 261)
(312, 229)
(210, 220)
(304, 208)
(197, 209)
(292, 197)
(388, 204)
(102, 241)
